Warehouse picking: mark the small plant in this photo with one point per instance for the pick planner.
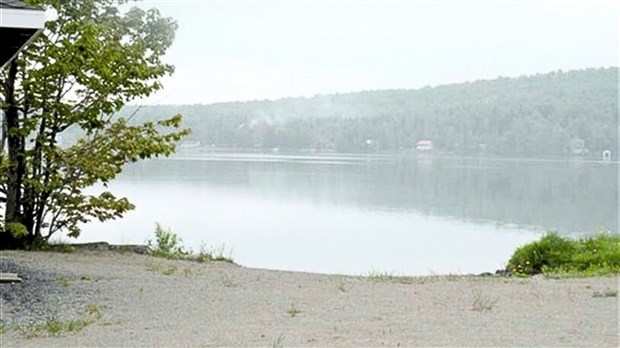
(169, 270)
(29, 330)
(3, 328)
(94, 311)
(187, 272)
(55, 326)
(226, 281)
(385, 277)
(167, 244)
(279, 341)
(158, 267)
(86, 278)
(211, 254)
(605, 293)
(63, 281)
(340, 282)
(482, 302)
(293, 311)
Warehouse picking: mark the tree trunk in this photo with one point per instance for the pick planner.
(16, 167)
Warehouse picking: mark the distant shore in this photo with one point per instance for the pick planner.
(113, 298)
(248, 153)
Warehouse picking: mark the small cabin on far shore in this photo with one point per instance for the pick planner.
(424, 145)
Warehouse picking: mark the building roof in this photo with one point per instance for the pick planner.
(14, 4)
(19, 23)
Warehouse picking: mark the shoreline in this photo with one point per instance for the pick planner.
(142, 249)
(129, 299)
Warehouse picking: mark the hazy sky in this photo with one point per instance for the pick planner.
(247, 50)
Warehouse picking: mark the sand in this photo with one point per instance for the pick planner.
(147, 301)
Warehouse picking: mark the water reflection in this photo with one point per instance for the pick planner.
(356, 214)
(568, 196)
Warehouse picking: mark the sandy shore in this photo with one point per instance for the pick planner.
(136, 300)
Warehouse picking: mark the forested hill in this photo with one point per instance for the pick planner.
(541, 115)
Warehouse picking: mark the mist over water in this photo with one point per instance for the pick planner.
(355, 214)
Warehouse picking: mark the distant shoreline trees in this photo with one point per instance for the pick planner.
(531, 116)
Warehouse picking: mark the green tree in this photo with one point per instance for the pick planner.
(88, 62)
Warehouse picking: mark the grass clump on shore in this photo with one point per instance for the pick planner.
(167, 244)
(386, 277)
(558, 256)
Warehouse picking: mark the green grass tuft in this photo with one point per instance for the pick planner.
(167, 244)
(293, 311)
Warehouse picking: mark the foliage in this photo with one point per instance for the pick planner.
(554, 255)
(74, 78)
(536, 115)
(167, 244)
(16, 229)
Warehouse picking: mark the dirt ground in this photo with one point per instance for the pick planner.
(146, 301)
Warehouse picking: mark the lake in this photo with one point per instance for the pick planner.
(356, 214)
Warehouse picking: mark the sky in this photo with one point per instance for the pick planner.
(253, 50)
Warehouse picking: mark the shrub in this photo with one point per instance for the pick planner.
(167, 244)
(596, 255)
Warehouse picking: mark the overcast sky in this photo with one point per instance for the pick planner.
(242, 50)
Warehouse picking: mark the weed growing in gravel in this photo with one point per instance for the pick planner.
(111, 322)
(158, 267)
(482, 302)
(94, 311)
(293, 311)
(279, 341)
(340, 282)
(211, 254)
(385, 277)
(167, 244)
(3, 328)
(169, 270)
(52, 327)
(187, 272)
(226, 281)
(86, 277)
(606, 293)
(55, 326)
(29, 330)
(63, 281)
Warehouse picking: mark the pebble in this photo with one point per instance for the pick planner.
(41, 296)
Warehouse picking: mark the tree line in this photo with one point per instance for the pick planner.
(539, 115)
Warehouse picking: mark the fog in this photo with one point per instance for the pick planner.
(241, 50)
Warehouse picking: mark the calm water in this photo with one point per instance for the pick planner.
(357, 214)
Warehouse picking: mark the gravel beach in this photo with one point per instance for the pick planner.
(131, 300)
